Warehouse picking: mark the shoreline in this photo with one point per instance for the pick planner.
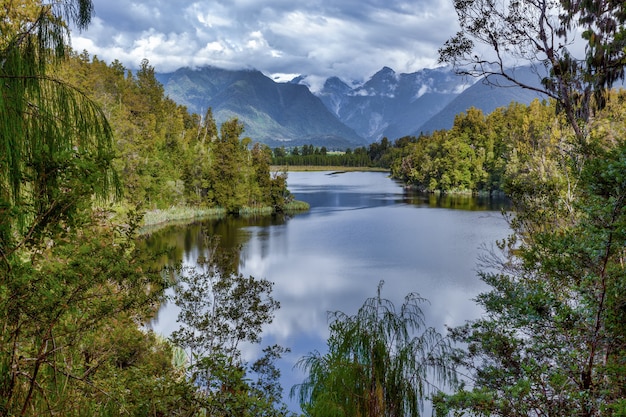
(158, 218)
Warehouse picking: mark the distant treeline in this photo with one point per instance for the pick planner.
(480, 153)
(377, 154)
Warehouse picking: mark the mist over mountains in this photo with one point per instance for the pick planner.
(339, 115)
(390, 104)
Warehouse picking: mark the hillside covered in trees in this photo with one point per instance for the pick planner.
(166, 156)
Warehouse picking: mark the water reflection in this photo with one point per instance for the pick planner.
(350, 190)
(457, 202)
(362, 227)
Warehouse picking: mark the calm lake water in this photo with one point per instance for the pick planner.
(362, 228)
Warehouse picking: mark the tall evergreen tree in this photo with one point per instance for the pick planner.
(229, 154)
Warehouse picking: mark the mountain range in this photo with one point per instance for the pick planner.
(339, 115)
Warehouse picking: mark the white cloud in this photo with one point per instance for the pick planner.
(314, 82)
(351, 39)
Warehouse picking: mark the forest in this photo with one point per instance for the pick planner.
(87, 147)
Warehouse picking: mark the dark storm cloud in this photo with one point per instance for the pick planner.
(349, 38)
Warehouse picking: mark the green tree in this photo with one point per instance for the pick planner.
(377, 151)
(261, 182)
(229, 155)
(552, 342)
(56, 145)
(280, 152)
(198, 160)
(219, 311)
(279, 196)
(540, 34)
(378, 362)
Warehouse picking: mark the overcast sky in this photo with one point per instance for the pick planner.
(351, 39)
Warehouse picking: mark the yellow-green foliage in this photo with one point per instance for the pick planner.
(483, 152)
(168, 157)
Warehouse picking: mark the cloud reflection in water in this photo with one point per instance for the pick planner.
(362, 228)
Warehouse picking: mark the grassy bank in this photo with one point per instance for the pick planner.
(297, 206)
(153, 219)
(179, 213)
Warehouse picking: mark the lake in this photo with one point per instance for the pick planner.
(362, 228)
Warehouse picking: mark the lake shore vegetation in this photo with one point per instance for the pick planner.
(75, 287)
(551, 341)
(167, 157)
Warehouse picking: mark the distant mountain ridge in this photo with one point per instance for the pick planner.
(273, 113)
(391, 104)
(338, 116)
